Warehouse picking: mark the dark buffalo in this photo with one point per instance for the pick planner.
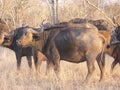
(20, 51)
(100, 24)
(73, 44)
(117, 33)
(114, 51)
(111, 49)
(114, 48)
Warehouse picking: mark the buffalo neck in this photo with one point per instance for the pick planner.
(39, 44)
(45, 39)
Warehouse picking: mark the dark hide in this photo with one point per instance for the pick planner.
(114, 51)
(100, 24)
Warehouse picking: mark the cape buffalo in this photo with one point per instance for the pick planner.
(113, 48)
(101, 24)
(114, 51)
(21, 51)
(73, 44)
(117, 33)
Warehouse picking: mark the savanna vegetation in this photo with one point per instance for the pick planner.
(17, 13)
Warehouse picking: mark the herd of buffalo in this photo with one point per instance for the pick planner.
(74, 41)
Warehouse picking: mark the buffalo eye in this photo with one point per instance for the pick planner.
(108, 46)
(25, 33)
(36, 38)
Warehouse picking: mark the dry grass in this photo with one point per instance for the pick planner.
(72, 76)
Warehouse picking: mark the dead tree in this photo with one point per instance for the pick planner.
(53, 5)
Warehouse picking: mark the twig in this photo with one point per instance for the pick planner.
(103, 13)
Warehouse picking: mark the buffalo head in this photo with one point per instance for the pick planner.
(28, 37)
(8, 39)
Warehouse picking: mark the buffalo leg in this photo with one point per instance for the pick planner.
(18, 61)
(56, 61)
(90, 65)
(53, 59)
(40, 58)
(101, 64)
(114, 64)
(29, 59)
(35, 60)
(49, 67)
(38, 65)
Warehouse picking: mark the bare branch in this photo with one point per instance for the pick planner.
(116, 20)
(102, 12)
(53, 6)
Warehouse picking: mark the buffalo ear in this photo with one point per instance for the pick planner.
(36, 37)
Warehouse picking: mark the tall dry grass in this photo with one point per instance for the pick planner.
(71, 78)
(72, 75)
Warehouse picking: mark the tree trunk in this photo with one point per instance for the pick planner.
(56, 11)
(53, 5)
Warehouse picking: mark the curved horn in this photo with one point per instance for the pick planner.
(33, 31)
(114, 43)
(42, 26)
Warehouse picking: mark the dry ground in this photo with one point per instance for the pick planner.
(72, 76)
